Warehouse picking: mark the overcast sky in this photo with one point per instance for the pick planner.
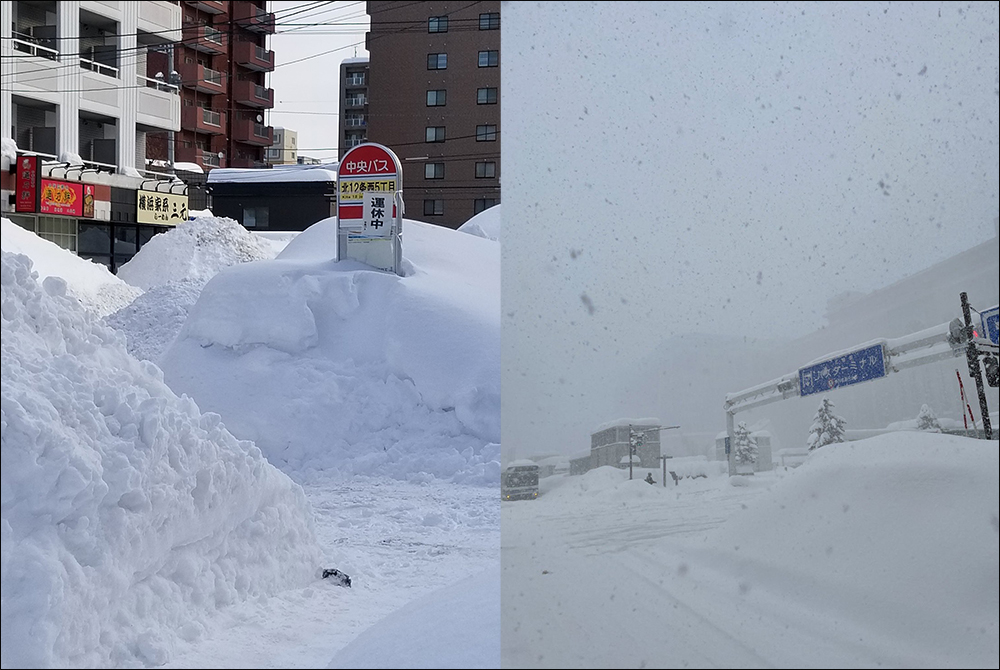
(674, 168)
(306, 77)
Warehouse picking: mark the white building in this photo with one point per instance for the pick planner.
(76, 97)
(284, 150)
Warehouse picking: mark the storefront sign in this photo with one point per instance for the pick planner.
(61, 198)
(27, 184)
(166, 209)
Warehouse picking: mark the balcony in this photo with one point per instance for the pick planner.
(206, 159)
(254, 57)
(205, 39)
(210, 7)
(250, 132)
(201, 78)
(355, 101)
(252, 94)
(252, 17)
(202, 120)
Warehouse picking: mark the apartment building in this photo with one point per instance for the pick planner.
(222, 66)
(285, 150)
(353, 104)
(81, 98)
(433, 97)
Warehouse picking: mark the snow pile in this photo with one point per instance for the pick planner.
(128, 516)
(196, 250)
(897, 532)
(91, 283)
(334, 366)
(173, 267)
(8, 153)
(485, 224)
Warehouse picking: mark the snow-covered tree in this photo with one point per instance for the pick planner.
(927, 421)
(746, 446)
(827, 427)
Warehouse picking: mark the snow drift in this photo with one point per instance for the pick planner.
(376, 374)
(128, 515)
(91, 283)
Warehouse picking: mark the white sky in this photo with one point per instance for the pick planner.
(724, 168)
(306, 93)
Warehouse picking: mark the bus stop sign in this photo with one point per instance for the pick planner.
(370, 207)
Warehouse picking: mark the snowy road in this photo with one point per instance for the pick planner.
(397, 541)
(600, 571)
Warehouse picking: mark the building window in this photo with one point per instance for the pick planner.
(434, 134)
(489, 58)
(434, 171)
(433, 207)
(486, 133)
(436, 98)
(437, 24)
(58, 229)
(255, 217)
(486, 170)
(486, 96)
(489, 21)
(482, 204)
(437, 61)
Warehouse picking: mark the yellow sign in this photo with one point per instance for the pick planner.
(166, 209)
(355, 189)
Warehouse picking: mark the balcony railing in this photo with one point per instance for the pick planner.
(356, 101)
(355, 122)
(250, 93)
(253, 56)
(252, 17)
(250, 132)
(204, 38)
(201, 78)
(158, 84)
(99, 68)
(356, 79)
(203, 120)
(31, 46)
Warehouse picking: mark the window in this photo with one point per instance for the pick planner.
(489, 58)
(482, 204)
(255, 217)
(437, 61)
(437, 24)
(436, 98)
(58, 229)
(486, 133)
(433, 207)
(434, 134)
(489, 21)
(434, 171)
(486, 96)
(486, 170)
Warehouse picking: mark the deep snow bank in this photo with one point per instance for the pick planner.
(337, 367)
(91, 283)
(173, 267)
(128, 516)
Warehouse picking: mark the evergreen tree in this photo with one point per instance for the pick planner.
(827, 427)
(746, 446)
(927, 421)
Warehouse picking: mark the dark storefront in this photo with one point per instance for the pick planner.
(274, 205)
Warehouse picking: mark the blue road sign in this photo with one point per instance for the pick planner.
(853, 368)
(990, 317)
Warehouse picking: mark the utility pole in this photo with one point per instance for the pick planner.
(972, 358)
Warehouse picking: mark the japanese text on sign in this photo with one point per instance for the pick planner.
(355, 189)
(162, 208)
(376, 165)
(853, 368)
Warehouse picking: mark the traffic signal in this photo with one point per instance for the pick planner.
(992, 367)
(958, 334)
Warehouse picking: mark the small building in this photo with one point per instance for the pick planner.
(609, 442)
(284, 149)
(285, 197)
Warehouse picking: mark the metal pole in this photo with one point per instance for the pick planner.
(972, 357)
(630, 451)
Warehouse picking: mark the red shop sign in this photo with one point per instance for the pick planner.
(27, 184)
(61, 198)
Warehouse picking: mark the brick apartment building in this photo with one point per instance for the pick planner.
(222, 64)
(433, 97)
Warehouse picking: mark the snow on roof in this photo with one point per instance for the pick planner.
(284, 173)
(354, 60)
(625, 422)
(188, 167)
(521, 463)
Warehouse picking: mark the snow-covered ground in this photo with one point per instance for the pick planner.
(141, 526)
(877, 553)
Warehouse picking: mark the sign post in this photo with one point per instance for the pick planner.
(370, 207)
